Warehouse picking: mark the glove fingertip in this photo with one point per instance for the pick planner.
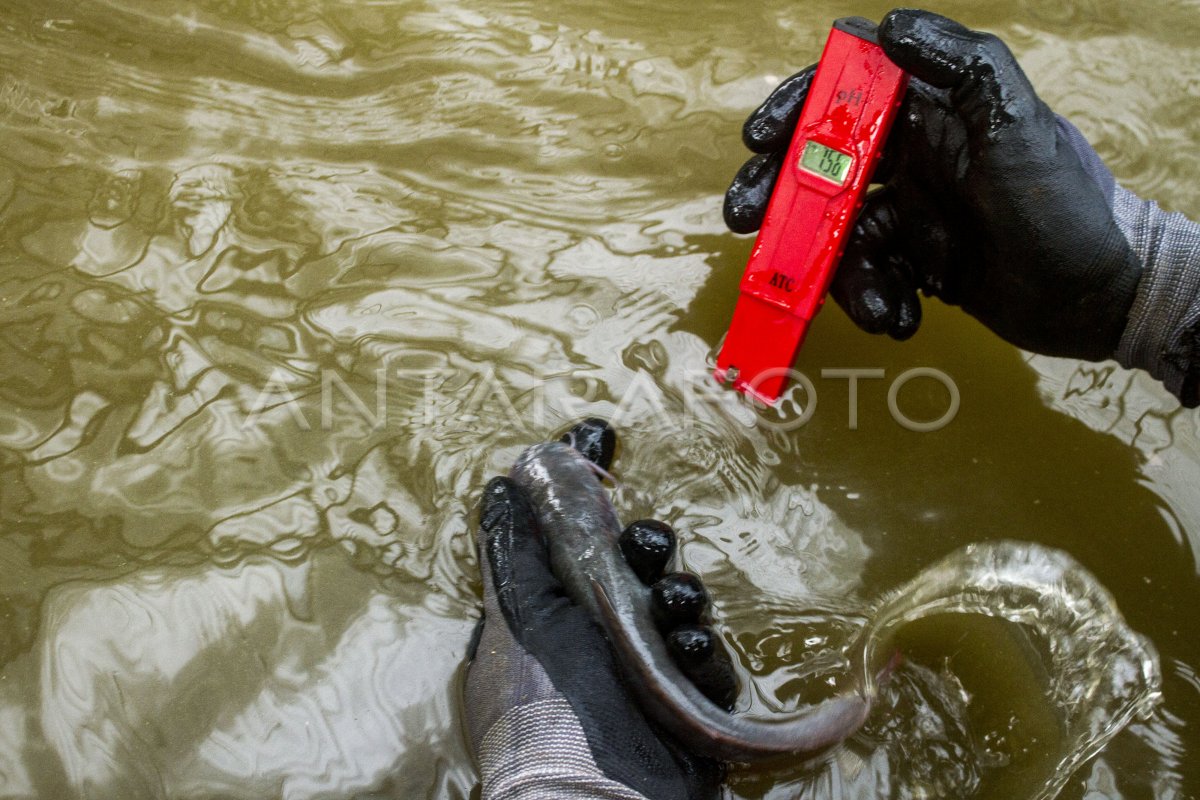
(648, 546)
(699, 653)
(515, 553)
(759, 133)
(741, 216)
(496, 504)
(750, 193)
(866, 298)
(926, 44)
(907, 318)
(769, 128)
(678, 599)
(872, 310)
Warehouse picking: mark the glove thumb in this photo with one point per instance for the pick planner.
(518, 583)
(986, 85)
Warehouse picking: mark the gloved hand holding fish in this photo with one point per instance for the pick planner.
(595, 675)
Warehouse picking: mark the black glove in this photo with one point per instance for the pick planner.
(546, 711)
(987, 202)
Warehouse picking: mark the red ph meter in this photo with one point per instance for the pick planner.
(820, 190)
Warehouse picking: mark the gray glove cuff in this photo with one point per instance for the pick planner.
(1162, 335)
(526, 737)
(538, 751)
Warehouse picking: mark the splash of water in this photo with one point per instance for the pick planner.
(1096, 673)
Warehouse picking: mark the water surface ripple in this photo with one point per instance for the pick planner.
(282, 282)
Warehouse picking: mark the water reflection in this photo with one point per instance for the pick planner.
(235, 681)
(208, 209)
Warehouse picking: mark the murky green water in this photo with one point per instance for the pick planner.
(222, 575)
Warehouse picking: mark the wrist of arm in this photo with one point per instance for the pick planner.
(1162, 334)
